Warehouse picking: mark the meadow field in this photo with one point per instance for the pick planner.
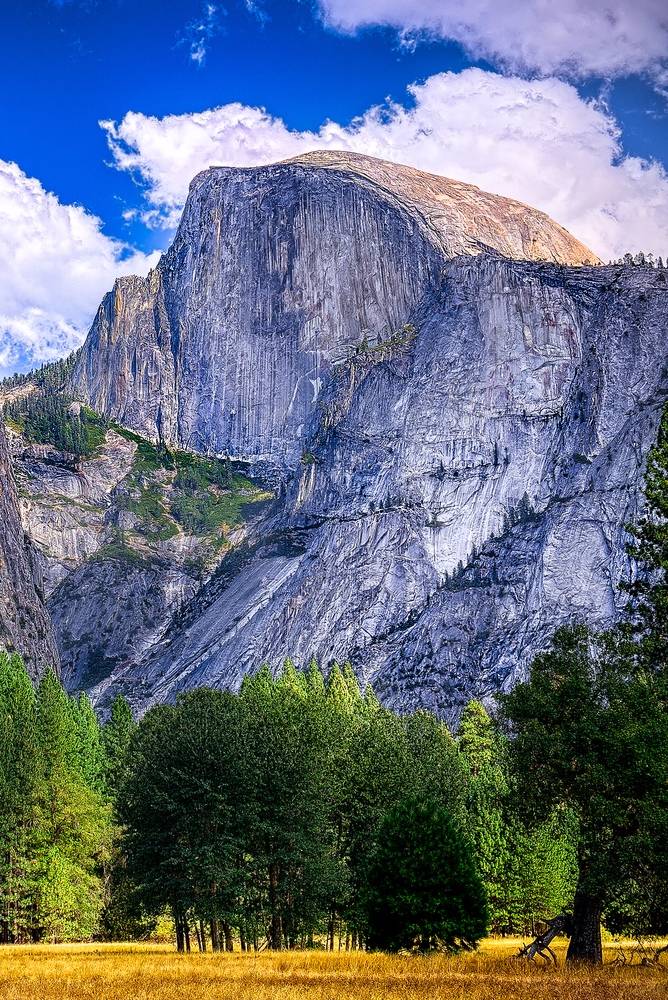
(157, 972)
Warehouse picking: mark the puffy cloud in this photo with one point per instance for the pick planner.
(57, 263)
(537, 141)
(594, 37)
(167, 152)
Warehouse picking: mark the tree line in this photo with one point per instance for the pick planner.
(256, 817)
(46, 416)
(263, 815)
(640, 259)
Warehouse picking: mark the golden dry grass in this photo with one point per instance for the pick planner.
(156, 972)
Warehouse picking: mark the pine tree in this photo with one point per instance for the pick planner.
(649, 591)
(74, 823)
(116, 736)
(590, 738)
(19, 778)
(486, 805)
(90, 756)
(423, 890)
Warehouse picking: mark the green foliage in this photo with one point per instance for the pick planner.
(384, 350)
(168, 489)
(165, 490)
(47, 417)
(116, 738)
(54, 824)
(53, 375)
(590, 735)
(649, 591)
(205, 508)
(261, 810)
(423, 889)
(529, 873)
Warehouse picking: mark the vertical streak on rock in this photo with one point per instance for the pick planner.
(25, 626)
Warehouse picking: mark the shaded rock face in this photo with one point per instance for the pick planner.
(24, 622)
(66, 507)
(464, 493)
(107, 602)
(459, 436)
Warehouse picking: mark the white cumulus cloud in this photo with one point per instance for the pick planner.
(537, 141)
(57, 264)
(594, 37)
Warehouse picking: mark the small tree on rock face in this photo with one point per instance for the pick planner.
(423, 891)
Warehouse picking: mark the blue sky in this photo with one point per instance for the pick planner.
(566, 109)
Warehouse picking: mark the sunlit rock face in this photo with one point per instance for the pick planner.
(459, 428)
(25, 626)
(275, 273)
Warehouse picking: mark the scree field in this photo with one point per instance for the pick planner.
(140, 972)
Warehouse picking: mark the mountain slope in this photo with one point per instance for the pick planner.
(453, 412)
(462, 492)
(123, 534)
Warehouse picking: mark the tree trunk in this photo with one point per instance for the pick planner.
(186, 934)
(276, 933)
(178, 925)
(585, 944)
(215, 940)
(202, 934)
(227, 933)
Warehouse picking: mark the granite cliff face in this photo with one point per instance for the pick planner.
(116, 561)
(462, 492)
(24, 622)
(454, 411)
(275, 273)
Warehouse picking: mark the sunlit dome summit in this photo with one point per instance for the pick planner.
(458, 218)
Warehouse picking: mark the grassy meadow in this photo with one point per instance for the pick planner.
(157, 972)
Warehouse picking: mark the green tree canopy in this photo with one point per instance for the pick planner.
(423, 889)
(589, 736)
